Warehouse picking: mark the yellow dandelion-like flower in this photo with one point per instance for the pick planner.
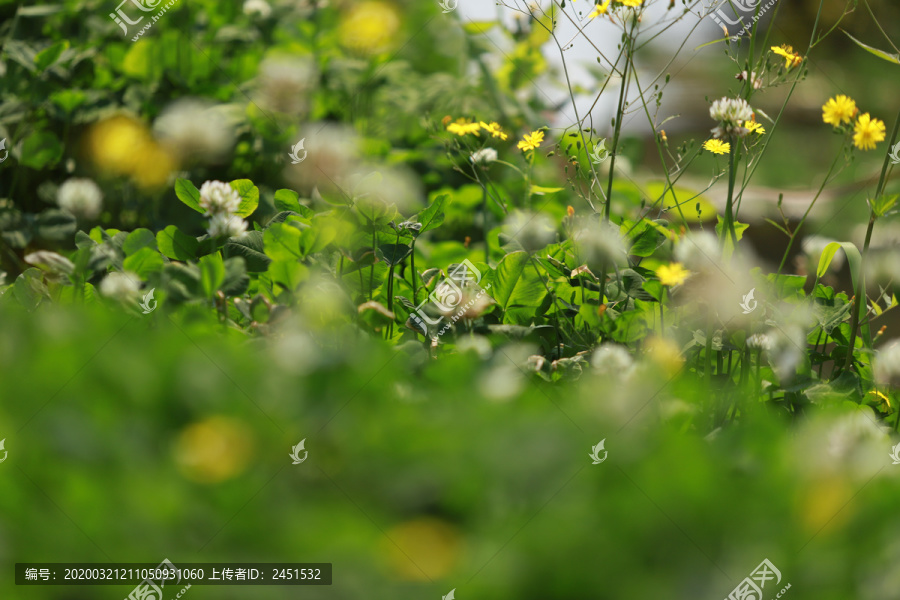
(634, 3)
(463, 127)
(838, 110)
(116, 144)
(885, 401)
(599, 9)
(369, 27)
(717, 146)
(868, 132)
(531, 141)
(752, 126)
(791, 59)
(672, 274)
(494, 129)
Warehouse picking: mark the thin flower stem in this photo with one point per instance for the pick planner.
(860, 295)
(729, 206)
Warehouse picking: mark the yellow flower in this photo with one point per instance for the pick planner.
(839, 109)
(531, 141)
(213, 450)
(665, 354)
(868, 132)
(752, 126)
(791, 59)
(463, 127)
(634, 3)
(116, 144)
(599, 9)
(494, 130)
(370, 27)
(717, 146)
(672, 274)
(885, 401)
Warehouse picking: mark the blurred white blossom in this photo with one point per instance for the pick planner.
(533, 231)
(195, 130)
(286, 83)
(484, 156)
(50, 261)
(887, 364)
(221, 225)
(122, 286)
(81, 197)
(258, 8)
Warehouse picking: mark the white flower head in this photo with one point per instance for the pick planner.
(221, 225)
(612, 360)
(731, 113)
(599, 244)
(122, 286)
(286, 83)
(195, 130)
(484, 156)
(887, 364)
(258, 8)
(50, 261)
(699, 251)
(219, 198)
(81, 197)
(533, 231)
(759, 341)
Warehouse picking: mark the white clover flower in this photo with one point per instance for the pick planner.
(286, 83)
(599, 244)
(699, 251)
(333, 154)
(533, 231)
(195, 130)
(258, 8)
(730, 112)
(612, 360)
(219, 198)
(122, 286)
(484, 156)
(887, 364)
(50, 261)
(759, 341)
(226, 225)
(81, 197)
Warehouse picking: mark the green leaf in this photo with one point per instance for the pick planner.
(287, 200)
(212, 274)
(249, 197)
(315, 239)
(55, 225)
(739, 229)
(137, 239)
(893, 58)
(517, 288)
(853, 257)
(539, 190)
(479, 27)
(144, 262)
(281, 241)
(433, 216)
(48, 56)
(41, 149)
(29, 289)
(884, 205)
(177, 245)
(188, 193)
(288, 273)
(249, 246)
(393, 254)
(236, 279)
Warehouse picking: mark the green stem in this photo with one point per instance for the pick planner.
(860, 294)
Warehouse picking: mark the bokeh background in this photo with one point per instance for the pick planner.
(138, 438)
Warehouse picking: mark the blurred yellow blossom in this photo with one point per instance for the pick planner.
(868, 132)
(122, 145)
(422, 549)
(599, 9)
(464, 127)
(665, 354)
(494, 129)
(370, 27)
(632, 3)
(531, 141)
(672, 274)
(213, 450)
(838, 110)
